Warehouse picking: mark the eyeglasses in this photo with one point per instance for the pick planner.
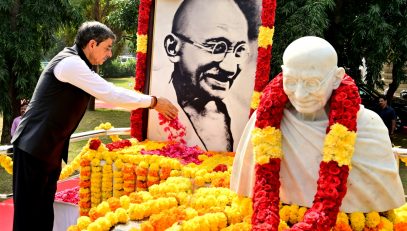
(309, 85)
(219, 49)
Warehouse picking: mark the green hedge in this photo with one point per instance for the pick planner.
(115, 68)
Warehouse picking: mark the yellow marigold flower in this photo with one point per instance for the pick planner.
(142, 43)
(387, 225)
(400, 214)
(125, 201)
(294, 213)
(199, 181)
(103, 208)
(301, 212)
(190, 213)
(73, 228)
(143, 164)
(372, 219)
(136, 212)
(285, 213)
(267, 144)
(391, 215)
(282, 226)
(94, 227)
(103, 223)
(357, 221)
(342, 218)
(95, 162)
(118, 164)
(122, 216)
(339, 145)
(255, 100)
(83, 222)
(112, 218)
(265, 37)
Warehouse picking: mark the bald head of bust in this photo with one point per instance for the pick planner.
(311, 53)
(310, 73)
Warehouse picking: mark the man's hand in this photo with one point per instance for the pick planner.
(166, 108)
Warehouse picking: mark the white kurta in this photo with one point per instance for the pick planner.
(373, 185)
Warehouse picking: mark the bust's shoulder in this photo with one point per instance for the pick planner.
(367, 117)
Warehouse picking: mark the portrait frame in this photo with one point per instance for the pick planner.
(139, 117)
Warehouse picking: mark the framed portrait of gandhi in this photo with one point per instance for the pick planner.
(203, 59)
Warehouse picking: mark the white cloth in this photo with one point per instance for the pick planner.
(74, 70)
(373, 184)
(65, 215)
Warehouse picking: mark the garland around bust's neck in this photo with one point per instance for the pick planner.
(334, 167)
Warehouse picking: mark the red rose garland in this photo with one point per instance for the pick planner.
(265, 43)
(334, 169)
(136, 120)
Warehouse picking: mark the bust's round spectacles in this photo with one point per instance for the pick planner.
(219, 49)
(310, 85)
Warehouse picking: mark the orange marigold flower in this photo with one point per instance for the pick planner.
(114, 203)
(402, 226)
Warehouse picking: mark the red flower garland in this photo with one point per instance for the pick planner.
(136, 120)
(118, 145)
(264, 54)
(332, 177)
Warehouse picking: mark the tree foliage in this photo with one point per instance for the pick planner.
(373, 29)
(26, 32)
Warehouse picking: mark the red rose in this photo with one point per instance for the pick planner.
(220, 168)
(94, 144)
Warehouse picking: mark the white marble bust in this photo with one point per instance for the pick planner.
(310, 74)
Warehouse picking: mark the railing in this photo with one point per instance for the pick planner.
(7, 149)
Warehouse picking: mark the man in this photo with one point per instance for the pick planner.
(17, 120)
(208, 46)
(55, 110)
(387, 114)
(310, 75)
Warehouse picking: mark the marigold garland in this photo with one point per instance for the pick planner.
(334, 168)
(136, 116)
(265, 43)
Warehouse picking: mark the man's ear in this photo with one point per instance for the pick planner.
(339, 74)
(172, 45)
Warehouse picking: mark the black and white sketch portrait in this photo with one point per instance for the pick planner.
(204, 59)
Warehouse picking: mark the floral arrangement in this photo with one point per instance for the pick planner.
(130, 186)
(136, 116)
(7, 163)
(265, 43)
(174, 205)
(171, 205)
(68, 195)
(334, 168)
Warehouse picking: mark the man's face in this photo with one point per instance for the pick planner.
(100, 52)
(308, 90)
(216, 50)
(382, 102)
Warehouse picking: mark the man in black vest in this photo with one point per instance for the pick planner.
(58, 104)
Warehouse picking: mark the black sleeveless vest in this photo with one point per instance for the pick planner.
(53, 114)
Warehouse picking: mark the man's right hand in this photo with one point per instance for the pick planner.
(166, 108)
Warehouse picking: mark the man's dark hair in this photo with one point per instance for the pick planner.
(93, 30)
(382, 97)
